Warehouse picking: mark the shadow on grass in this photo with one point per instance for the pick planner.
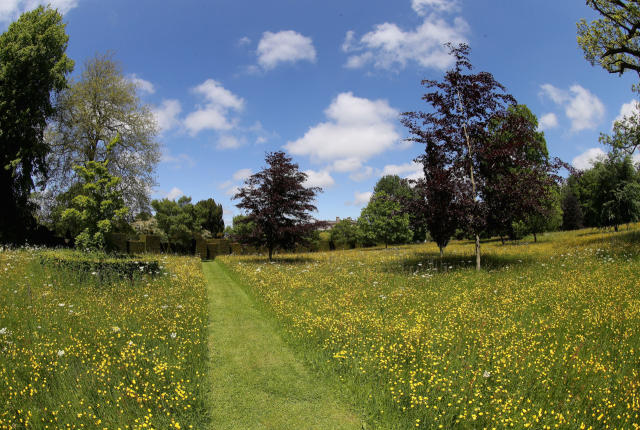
(280, 260)
(630, 237)
(449, 263)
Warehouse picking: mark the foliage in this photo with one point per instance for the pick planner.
(383, 221)
(572, 218)
(520, 179)
(543, 339)
(409, 198)
(278, 204)
(344, 234)
(209, 214)
(242, 229)
(612, 41)
(97, 207)
(455, 135)
(105, 268)
(177, 220)
(549, 217)
(99, 106)
(625, 136)
(33, 68)
(67, 337)
(608, 192)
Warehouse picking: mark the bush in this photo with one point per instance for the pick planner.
(103, 267)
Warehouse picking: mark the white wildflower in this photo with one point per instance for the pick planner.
(173, 335)
(60, 352)
(486, 374)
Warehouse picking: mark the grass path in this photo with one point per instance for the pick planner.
(256, 382)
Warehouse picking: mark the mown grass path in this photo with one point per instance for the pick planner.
(256, 382)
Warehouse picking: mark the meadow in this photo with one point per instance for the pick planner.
(546, 336)
(81, 352)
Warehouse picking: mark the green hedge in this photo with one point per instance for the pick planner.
(102, 267)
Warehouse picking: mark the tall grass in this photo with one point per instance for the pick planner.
(547, 336)
(76, 351)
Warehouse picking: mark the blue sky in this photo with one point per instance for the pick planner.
(326, 80)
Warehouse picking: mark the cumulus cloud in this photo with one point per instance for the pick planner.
(586, 159)
(390, 47)
(284, 47)
(360, 199)
(178, 161)
(213, 115)
(423, 7)
(228, 142)
(320, 179)
(141, 84)
(356, 130)
(582, 107)
(365, 172)
(11, 10)
(411, 170)
(548, 121)
(231, 186)
(627, 110)
(174, 193)
(166, 114)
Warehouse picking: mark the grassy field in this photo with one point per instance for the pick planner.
(79, 353)
(547, 336)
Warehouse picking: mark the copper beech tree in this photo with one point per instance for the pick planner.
(475, 146)
(278, 204)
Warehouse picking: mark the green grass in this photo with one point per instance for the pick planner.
(256, 381)
(76, 352)
(546, 336)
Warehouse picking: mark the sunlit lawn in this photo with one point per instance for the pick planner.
(81, 353)
(547, 336)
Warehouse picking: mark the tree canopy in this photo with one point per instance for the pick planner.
(383, 221)
(100, 105)
(612, 41)
(277, 202)
(33, 69)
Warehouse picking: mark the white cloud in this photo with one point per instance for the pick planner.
(174, 193)
(142, 84)
(284, 47)
(318, 179)
(229, 142)
(356, 130)
(582, 107)
(423, 7)
(243, 41)
(586, 159)
(361, 174)
(360, 199)
(411, 170)
(627, 110)
(178, 161)
(388, 46)
(11, 10)
(242, 174)
(548, 121)
(214, 114)
(166, 114)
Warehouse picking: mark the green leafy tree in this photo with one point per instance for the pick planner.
(612, 41)
(33, 67)
(97, 207)
(572, 218)
(100, 105)
(345, 234)
(383, 221)
(209, 215)
(409, 198)
(176, 219)
(548, 217)
(242, 229)
(608, 192)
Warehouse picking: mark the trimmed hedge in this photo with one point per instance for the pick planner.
(104, 268)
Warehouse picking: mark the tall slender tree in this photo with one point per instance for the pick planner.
(456, 129)
(33, 69)
(278, 204)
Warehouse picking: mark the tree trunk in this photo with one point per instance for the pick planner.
(386, 245)
(615, 227)
(535, 237)
(502, 239)
(477, 252)
(441, 253)
(270, 253)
